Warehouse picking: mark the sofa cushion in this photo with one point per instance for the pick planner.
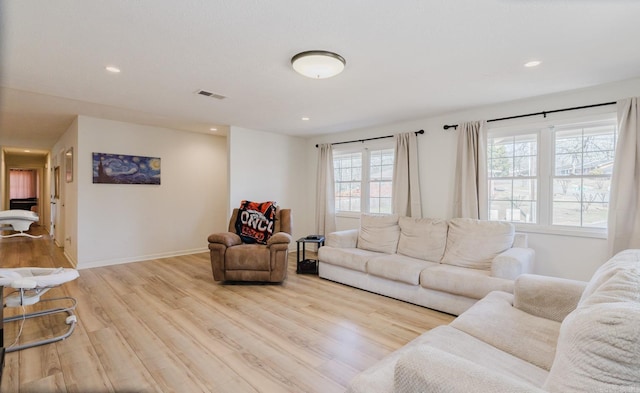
(428, 369)
(350, 258)
(422, 238)
(599, 344)
(459, 343)
(380, 377)
(398, 268)
(474, 243)
(379, 232)
(598, 350)
(624, 286)
(472, 283)
(495, 321)
(627, 259)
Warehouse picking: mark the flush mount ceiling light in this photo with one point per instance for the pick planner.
(318, 64)
(532, 63)
(112, 69)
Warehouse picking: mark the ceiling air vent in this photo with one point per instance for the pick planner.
(210, 94)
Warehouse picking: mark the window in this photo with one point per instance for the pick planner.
(348, 179)
(553, 175)
(363, 180)
(23, 183)
(380, 180)
(583, 166)
(513, 179)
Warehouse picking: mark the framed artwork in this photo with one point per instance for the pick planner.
(125, 169)
(68, 165)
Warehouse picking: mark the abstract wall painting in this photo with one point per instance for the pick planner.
(124, 169)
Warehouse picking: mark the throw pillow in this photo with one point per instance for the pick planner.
(422, 238)
(474, 243)
(379, 232)
(256, 221)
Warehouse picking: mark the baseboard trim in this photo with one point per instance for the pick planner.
(141, 258)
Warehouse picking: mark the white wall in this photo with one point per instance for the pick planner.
(270, 167)
(127, 223)
(557, 255)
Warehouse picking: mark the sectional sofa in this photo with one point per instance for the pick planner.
(550, 335)
(447, 265)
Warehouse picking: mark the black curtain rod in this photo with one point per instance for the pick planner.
(371, 139)
(544, 113)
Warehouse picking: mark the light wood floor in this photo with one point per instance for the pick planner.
(165, 326)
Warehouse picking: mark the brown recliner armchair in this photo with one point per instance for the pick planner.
(233, 260)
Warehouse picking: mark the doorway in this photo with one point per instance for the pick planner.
(25, 182)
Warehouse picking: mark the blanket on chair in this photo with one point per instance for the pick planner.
(256, 221)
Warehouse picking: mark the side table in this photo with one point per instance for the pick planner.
(304, 265)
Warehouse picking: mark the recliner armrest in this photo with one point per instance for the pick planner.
(513, 262)
(547, 297)
(279, 238)
(342, 239)
(228, 239)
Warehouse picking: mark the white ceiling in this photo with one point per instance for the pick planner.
(406, 59)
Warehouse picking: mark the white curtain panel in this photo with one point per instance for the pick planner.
(406, 184)
(624, 202)
(470, 197)
(325, 199)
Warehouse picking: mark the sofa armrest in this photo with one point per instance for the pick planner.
(547, 297)
(279, 238)
(513, 262)
(228, 239)
(429, 369)
(342, 239)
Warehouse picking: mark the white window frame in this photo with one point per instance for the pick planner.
(511, 134)
(364, 148)
(545, 174)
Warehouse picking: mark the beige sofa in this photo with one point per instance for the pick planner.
(440, 264)
(550, 335)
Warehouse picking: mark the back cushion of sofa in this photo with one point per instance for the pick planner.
(422, 238)
(623, 260)
(379, 233)
(599, 345)
(474, 243)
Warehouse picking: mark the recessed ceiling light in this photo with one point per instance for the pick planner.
(113, 69)
(533, 63)
(318, 64)
(305, 119)
(27, 151)
(213, 129)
